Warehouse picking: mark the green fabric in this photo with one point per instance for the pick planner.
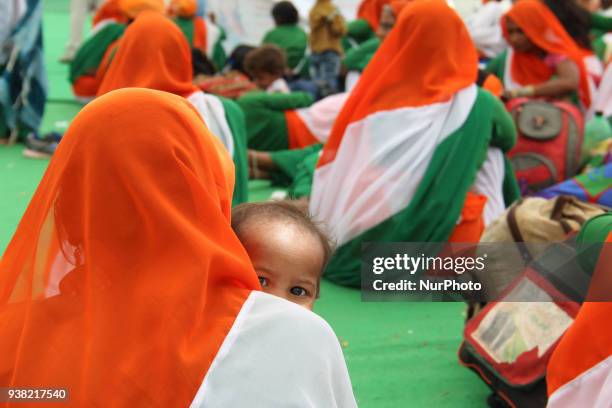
(292, 39)
(186, 25)
(219, 57)
(599, 44)
(302, 183)
(288, 162)
(358, 31)
(433, 211)
(590, 240)
(265, 117)
(356, 59)
(601, 22)
(90, 54)
(497, 66)
(237, 125)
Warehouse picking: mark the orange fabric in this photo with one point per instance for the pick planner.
(398, 5)
(543, 29)
(494, 85)
(132, 8)
(109, 10)
(471, 227)
(200, 40)
(589, 339)
(153, 53)
(124, 276)
(85, 86)
(299, 134)
(230, 85)
(183, 8)
(429, 32)
(370, 11)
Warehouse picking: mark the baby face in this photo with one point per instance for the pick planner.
(288, 260)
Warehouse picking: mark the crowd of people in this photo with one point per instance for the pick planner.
(141, 267)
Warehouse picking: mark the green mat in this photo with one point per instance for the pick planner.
(398, 354)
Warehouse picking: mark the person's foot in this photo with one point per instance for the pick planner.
(66, 59)
(37, 148)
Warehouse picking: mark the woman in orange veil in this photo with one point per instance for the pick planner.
(124, 283)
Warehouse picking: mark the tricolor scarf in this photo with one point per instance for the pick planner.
(408, 143)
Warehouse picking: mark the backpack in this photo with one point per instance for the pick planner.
(549, 145)
(508, 343)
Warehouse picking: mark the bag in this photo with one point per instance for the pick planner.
(549, 145)
(509, 344)
(533, 220)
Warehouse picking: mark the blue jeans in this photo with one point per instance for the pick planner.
(325, 70)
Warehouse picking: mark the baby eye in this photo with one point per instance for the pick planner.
(263, 282)
(298, 291)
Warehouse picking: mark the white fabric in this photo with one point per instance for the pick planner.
(380, 164)
(213, 33)
(592, 389)
(603, 99)
(509, 83)
(320, 117)
(351, 80)
(490, 183)
(212, 112)
(279, 86)
(277, 354)
(485, 28)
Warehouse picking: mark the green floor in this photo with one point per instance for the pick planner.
(398, 354)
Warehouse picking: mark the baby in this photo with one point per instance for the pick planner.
(287, 249)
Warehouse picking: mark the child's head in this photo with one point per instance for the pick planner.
(287, 249)
(285, 13)
(265, 65)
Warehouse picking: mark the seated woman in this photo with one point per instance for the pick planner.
(201, 33)
(125, 275)
(365, 26)
(358, 57)
(485, 28)
(308, 128)
(416, 146)
(543, 59)
(579, 372)
(268, 127)
(154, 54)
(95, 53)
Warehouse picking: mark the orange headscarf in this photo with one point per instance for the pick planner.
(124, 276)
(398, 5)
(153, 53)
(109, 10)
(183, 8)
(370, 11)
(426, 58)
(544, 29)
(132, 8)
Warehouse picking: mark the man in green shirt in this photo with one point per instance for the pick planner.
(289, 36)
